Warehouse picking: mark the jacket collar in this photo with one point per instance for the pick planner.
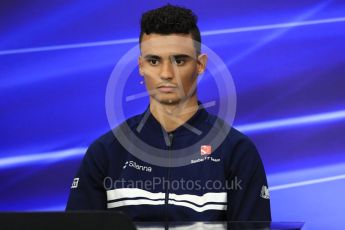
(190, 127)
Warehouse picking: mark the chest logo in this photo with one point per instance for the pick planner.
(136, 166)
(205, 150)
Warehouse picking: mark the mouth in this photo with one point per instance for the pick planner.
(166, 88)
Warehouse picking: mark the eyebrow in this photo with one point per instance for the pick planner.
(182, 56)
(177, 56)
(150, 56)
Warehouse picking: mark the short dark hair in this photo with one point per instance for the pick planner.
(171, 19)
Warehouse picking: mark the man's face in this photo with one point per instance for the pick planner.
(170, 67)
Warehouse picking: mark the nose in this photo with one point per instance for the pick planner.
(167, 71)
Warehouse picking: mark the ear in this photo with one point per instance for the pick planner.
(140, 63)
(202, 61)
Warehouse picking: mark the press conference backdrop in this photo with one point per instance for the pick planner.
(286, 58)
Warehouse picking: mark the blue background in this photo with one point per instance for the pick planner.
(287, 59)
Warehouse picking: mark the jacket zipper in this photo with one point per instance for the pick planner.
(168, 178)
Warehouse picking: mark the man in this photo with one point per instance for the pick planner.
(170, 63)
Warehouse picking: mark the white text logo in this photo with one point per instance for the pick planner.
(137, 166)
(205, 159)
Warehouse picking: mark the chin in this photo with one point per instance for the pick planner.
(168, 100)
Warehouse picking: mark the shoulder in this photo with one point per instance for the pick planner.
(237, 137)
(233, 136)
(109, 139)
(236, 145)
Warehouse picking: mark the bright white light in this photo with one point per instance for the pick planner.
(205, 33)
(38, 157)
(307, 182)
(273, 26)
(295, 121)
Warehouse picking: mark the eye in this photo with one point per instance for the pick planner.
(153, 62)
(179, 61)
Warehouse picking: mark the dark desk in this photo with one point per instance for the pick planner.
(219, 225)
(105, 220)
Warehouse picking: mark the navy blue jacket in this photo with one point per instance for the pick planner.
(223, 183)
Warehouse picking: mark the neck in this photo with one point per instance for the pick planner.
(173, 116)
